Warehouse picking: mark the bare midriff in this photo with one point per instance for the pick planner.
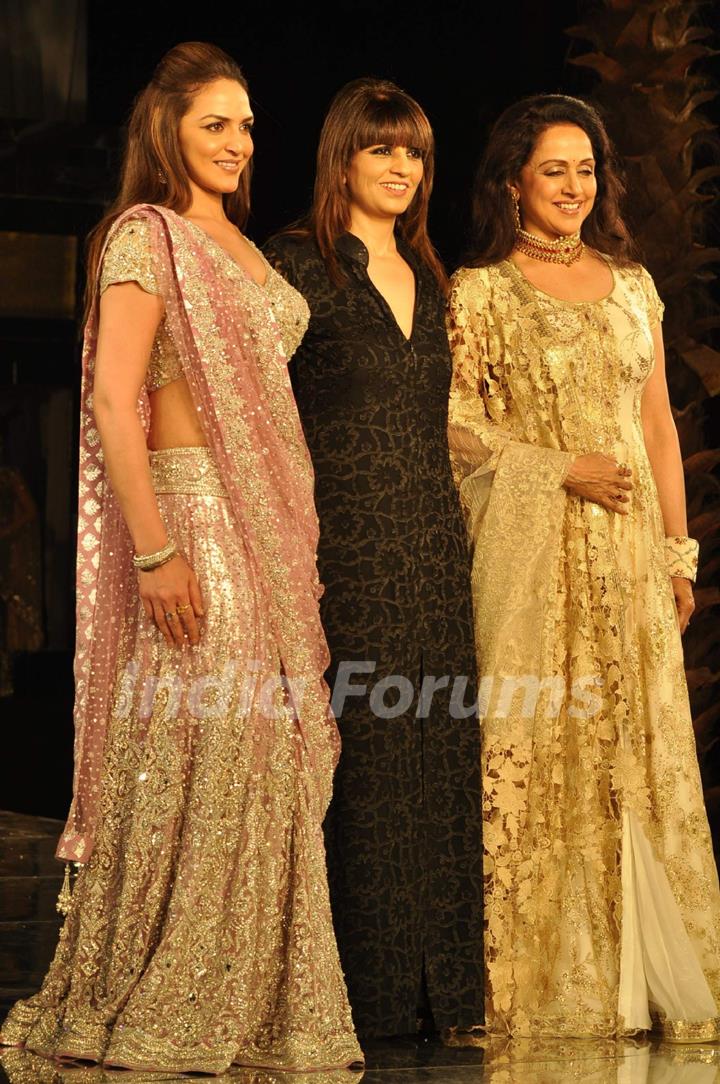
(174, 420)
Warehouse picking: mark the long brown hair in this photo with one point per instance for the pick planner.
(511, 143)
(153, 170)
(366, 113)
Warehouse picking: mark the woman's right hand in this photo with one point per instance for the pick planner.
(171, 598)
(598, 478)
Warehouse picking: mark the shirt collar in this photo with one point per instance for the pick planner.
(350, 245)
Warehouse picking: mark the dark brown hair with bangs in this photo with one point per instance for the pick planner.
(367, 113)
(153, 170)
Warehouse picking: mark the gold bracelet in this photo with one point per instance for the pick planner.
(681, 555)
(147, 562)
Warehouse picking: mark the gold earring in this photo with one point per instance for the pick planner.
(161, 177)
(516, 208)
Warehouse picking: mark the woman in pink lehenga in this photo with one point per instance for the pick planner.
(199, 931)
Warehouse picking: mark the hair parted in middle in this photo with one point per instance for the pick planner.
(512, 140)
(366, 113)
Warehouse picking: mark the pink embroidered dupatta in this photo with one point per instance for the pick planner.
(250, 422)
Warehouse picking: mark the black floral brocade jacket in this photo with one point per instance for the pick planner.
(404, 828)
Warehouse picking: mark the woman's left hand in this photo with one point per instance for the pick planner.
(682, 589)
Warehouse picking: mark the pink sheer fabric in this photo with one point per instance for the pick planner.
(251, 425)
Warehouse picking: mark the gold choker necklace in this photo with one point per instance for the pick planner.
(565, 250)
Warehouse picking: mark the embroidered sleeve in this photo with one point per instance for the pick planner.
(476, 404)
(483, 429)
(128, 258)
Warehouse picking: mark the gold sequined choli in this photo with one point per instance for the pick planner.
(200, 933)
(126, 260)
(601, 893)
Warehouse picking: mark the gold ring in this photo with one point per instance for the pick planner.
(169, 615)
(182, 609)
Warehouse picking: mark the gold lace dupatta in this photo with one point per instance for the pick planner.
(251, 424)
(512, 494)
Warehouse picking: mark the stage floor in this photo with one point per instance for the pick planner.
(30, 879)
(402, 1061)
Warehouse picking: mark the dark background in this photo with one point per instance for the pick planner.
(60, 143)
(462, 61)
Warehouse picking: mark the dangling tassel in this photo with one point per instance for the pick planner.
(65, 898)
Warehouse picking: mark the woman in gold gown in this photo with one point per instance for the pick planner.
(199, 932)
(601, 893)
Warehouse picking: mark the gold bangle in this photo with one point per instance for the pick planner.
(147, 562)
(681, 556)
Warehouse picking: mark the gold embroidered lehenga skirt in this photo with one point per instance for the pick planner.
(200, 932)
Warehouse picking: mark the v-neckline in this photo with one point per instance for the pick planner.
(407, 339)
(364, 262)
(224, 252)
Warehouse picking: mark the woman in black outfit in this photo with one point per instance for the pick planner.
(371, 379)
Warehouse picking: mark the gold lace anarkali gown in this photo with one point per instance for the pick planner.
(601, 892)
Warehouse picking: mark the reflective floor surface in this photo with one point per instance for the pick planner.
(400, 1061)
